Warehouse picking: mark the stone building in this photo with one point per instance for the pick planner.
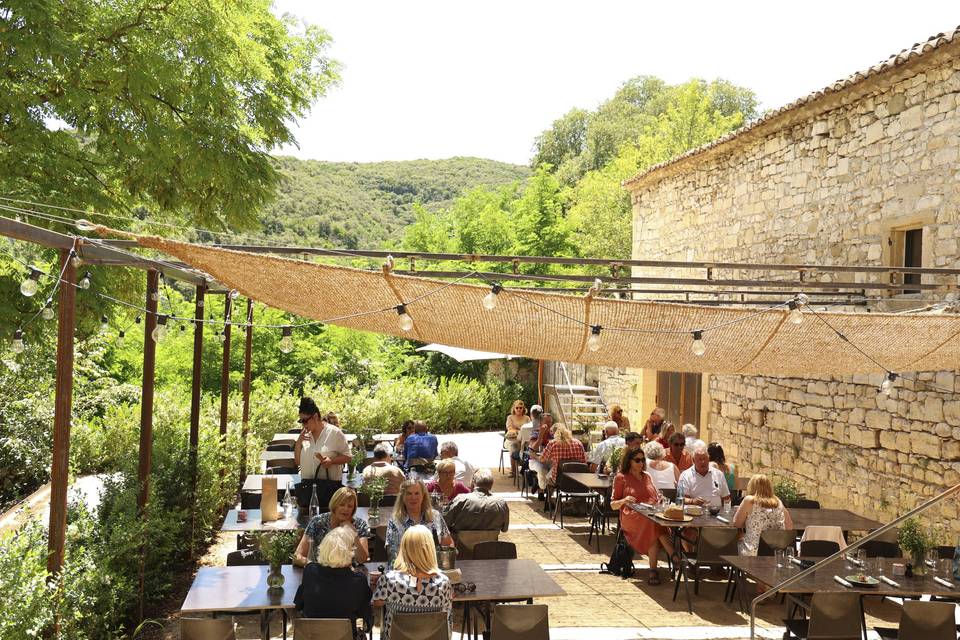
(864, 172)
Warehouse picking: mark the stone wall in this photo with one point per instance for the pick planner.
(830, 186)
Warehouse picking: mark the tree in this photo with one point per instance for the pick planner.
(170, 104)
(541, 227)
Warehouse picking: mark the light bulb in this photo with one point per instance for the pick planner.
(222, 336)
(47, 313)
(120, 339)
(490, 300)
(795, 316)
(85, 281)
(17, 346)
(85, 225)
(406, 322)
(698, 348)
(593, 342)
(104, 324)
(160, 331)
(802, 299)
(234, 294)
(286, 342)
(29, 286)
(75, 260)
(887, 383)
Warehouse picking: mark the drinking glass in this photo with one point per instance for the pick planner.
(945, 568)
(788, 554)
(779, 555)
(932, 556)
(878, 566)
(862, 558)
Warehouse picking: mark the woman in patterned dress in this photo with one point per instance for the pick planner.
(632, 485)
(416, 584)
(759, 511)
(413, 508)
(343, 510)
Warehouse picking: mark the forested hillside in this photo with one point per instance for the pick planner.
(366, 204)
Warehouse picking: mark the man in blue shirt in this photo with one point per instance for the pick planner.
(420, 444)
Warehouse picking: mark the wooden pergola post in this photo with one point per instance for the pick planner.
(225, 374)
(195, 407)
(63, 403)
(247, 366)
(146, 414)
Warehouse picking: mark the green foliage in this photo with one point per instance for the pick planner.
(786, 489)
(374, 486)
(914, 539)
(614, 460)
(277, 547)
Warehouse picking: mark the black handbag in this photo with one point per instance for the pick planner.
(325, 491)
(621, 560)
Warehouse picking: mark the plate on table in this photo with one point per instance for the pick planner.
(686, 518)
(863, 581)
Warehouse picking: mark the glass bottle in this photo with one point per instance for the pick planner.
(314, 502)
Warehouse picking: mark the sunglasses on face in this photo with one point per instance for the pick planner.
(303, 420)
(639, 459)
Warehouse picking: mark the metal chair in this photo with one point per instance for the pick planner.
(818, 548)
(669, 494)
(503, 450)
(245, 558)
(322, 629)
(495, 550)
(467, 541)
(378, 544)
(837, 616)
(567, 489)
(249, 500)
(520, 622)
(882, 549)
(279, 446)
(420, 626)
(923, 621)
(207, 629)
(281, 466)
(600, 517)
(712, 543)
(773, 539)
(803, 503)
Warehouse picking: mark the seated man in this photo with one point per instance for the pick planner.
(702, 484)
(464, 470)
(479, 510)
(677, 455)
(382, 465)
(611, 440)
(420, 444)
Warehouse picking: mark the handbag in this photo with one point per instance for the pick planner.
(325, 490)
(621, 560)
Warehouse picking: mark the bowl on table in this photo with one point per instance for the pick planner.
(693, 510)
(714, 510)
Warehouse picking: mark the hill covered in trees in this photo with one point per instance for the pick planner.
(364, 205)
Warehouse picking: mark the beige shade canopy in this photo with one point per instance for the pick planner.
(554, 326)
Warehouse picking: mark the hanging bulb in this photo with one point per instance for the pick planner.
(85, 225)
(29, 286)
(887, 383)
(183, 328)
(222, 337)
(120, 338)
(234, 294)
(698, 347)
(490, 300)
(160, 331)
(802, 299)
(138, 319)
(406, 322)
(593, 342)
(286, 342)
(17, 346)
(47, 313)
(104, 324)
(795, 316)
(75, 260)
(85, 281)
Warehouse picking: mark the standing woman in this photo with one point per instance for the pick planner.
(343, 512)
(415, 584)
(634, 485)
(516, 419)
(719, 461)
(413, 508)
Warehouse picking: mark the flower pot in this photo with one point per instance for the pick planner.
(275, 578)
(374, 509)
(919, 565)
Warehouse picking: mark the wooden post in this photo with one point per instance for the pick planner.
(225, 380)
(146, 413)
(248, 354)
(195, 407)
(63, 403)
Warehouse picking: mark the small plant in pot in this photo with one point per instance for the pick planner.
(916, 541)
(787, 490)
(357, 457)
(374, 487)
(276, 547)
(613, 462)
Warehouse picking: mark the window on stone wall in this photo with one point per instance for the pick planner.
(907, 251)
(679, 395)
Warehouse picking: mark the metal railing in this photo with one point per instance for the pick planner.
(873, 535)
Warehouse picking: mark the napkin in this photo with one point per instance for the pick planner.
(929, 563)
(842, 581)
(889, 581)
(796, 561)
(855, 562)
(940, 580)
(722, 519)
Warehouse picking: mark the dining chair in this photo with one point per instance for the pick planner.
(279, 446)
(249, 500)
(803, 503)
(882, 549)
(567, 489)
(836, 616)
(466, 541)
(923, 621)
(774, 539)
(818, 548)
(669, 494)
(207, 629)
(322, 629)
(600, 516)
(420, 626)
(378, 544)
(520, 622)
(495, 550)
(712, 543)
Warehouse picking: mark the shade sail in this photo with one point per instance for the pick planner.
(464, 355)
(555, 326)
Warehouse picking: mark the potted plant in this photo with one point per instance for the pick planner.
(374, 488)
(276, 547)
(787, 490)
(613, 462)
(914, 540)
(357, 457)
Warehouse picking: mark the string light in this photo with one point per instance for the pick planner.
(47, 312)
(75, 260)
(85, 280)
(887, 383)
(406, 322)
(795, 316)
(160, 331)
(120, 338)
(286, 341)
(490, 300)
(29, 286)
(593, 342)
(234, 294)
(222, 336)
(698, 348)
(104, 324)
(17, 346)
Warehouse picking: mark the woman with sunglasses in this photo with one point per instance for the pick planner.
(322, 448)
(634, 485)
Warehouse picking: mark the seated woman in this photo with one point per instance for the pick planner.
(633, 484)
(343, 509)
(665, 474)
(445, 483)
(413, 508)
(719, 461)
(415, 584)
(330, 587)
(405, 431)
(759, 511)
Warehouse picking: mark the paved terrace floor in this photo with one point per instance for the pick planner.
(596, 607)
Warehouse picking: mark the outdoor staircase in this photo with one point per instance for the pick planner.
(581, 407)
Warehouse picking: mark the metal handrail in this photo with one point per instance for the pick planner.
(871, 536)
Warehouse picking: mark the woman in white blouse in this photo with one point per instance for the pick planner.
(665, 474)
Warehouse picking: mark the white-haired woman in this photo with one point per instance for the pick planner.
(343, 512)
(665, 474)
(330, 587)
(413, 508)
(416, 584)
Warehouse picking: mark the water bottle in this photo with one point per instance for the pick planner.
(679, 495)
(314, 503)
(956, 561)
(288, 501)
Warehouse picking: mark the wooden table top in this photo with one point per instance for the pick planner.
(764, 569)
(245, 588)
(591, 480)
(802, 518)
(252, 483)
(254, 523)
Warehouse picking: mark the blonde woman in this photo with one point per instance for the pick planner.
(416, 584)
(343, 512)
(759, 511)
(413, 508)
(517, 418)
(446, 483)
(616, 415)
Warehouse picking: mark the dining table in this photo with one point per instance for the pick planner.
(254, 521)
(253, 483)
(802, 518)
